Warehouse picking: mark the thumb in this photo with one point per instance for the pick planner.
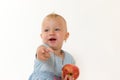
(50, 50)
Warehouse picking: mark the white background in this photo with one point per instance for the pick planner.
(94, 41)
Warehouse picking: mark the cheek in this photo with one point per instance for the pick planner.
(44, 37)
(61, 38)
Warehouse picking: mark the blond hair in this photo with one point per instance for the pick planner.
(54, 15)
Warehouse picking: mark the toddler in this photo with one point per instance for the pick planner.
(50, 58)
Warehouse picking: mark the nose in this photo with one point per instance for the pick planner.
(52, 32)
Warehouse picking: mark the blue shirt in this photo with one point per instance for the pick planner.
(46, 70)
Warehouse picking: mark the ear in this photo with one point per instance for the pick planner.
(41, 35)
(66, 36)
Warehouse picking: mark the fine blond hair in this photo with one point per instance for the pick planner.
(55, 15)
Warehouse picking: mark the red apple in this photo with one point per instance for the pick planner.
(70, 70)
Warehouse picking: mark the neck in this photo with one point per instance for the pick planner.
(58, 53)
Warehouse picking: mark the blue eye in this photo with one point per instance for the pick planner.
(46, 30)
(57, 29)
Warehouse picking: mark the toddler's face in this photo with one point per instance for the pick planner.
(54, 32)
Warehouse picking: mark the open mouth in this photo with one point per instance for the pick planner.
(52, 39)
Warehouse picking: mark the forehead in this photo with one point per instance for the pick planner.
(53, 22)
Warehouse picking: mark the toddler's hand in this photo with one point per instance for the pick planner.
(67, 77)
(43, 53)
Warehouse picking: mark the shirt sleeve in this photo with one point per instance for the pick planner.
(37, 64)
(68, 59)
